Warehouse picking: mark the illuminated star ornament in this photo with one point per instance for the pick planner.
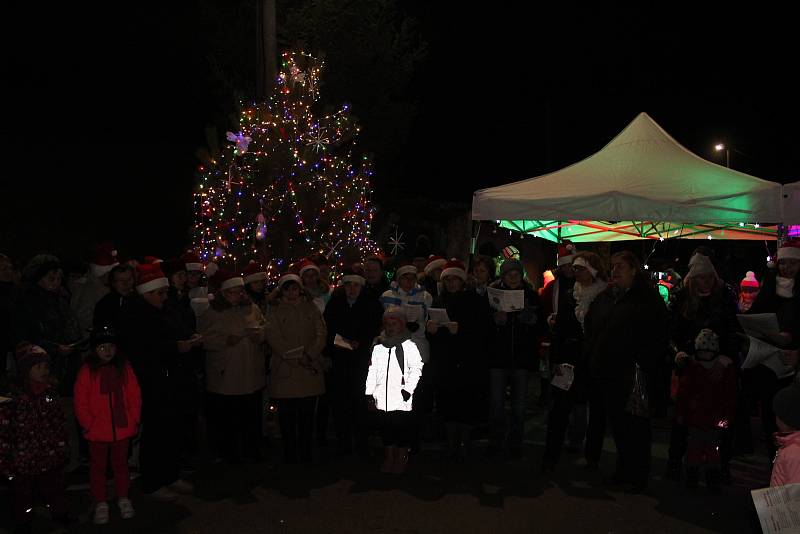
(318, 139)
(396, 242)
(242, 141)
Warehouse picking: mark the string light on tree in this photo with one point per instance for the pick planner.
(287, 185)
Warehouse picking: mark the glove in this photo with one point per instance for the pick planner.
(406, 395)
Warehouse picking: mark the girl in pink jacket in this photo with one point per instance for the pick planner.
(786, 404)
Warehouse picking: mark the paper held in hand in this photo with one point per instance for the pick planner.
(413, 312)
(760, 325)
(777, 508)
(565, 379)
(439, 316)
(762, 353)
(342, 343)
(506, 300)
(294, 354)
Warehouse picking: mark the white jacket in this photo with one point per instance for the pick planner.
(385, 379)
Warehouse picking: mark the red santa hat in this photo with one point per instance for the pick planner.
(104, 259)
(152, 259)
(306, 265)
(789, 250)
(253, 272)
(150, 278)
(566, 253)
(455, 268)
(225, 279)
(406, 268)
(192, 261)
(434, 262)
(749, 280)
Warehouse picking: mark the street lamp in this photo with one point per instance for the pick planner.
(719, 147)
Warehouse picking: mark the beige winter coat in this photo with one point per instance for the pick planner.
(290, 326)
(238, 369)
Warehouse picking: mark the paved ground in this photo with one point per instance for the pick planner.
(344, 495)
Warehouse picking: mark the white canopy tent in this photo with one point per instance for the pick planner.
(642, 185)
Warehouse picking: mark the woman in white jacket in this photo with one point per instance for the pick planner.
(394, 371)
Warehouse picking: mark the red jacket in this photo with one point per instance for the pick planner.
(93, 409)
(703, 402)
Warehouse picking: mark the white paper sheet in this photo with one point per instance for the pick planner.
(342, 343)
(506, 300)
(294, 354)
(439, 316)
(565, 379)
(778, 508)
(762, 353)
(413, 312)
(760, 325)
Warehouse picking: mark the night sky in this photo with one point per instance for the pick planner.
(106, 107)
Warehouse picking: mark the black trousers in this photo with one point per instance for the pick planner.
(159, 447)
(596, 429)
(50, 486)
(348, 376)
(235, 424)
(632, 438)
(296, 419)
(760, 384)
(558, 422)
(397, 428)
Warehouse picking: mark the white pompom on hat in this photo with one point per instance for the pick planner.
(749, 280)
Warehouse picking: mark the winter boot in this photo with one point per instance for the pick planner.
(388, 460)
(401, 455)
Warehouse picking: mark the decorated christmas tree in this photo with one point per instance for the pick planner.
(286, 186)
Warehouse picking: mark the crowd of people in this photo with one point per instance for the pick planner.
(127, 359)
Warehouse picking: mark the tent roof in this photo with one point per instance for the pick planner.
(643, 174)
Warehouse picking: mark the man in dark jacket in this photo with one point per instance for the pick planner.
(353, 319)
(513, 355)
(376, 282)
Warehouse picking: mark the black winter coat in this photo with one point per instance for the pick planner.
(515, 343)
(623, 328)
(716, 311)
(107, 310)
(360, 322)
(460, 361)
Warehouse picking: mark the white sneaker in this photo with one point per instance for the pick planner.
(101, 513)
(126, 508)
(182, 486)
(164, 494)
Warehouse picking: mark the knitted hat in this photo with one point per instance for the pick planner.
(354, 274)
(289, 278)
(192, 261)
(789, 250)
(225, 279)
(28, 355)
(749, 280)
(104, 259)
(511, 265)
(395, 312)
(103, 335)
(455, 268)
(253, 272)
(707, 340)
(39, 266)
(307, 265)
(406, 268)
(786, 405)
(566, 253)
(150, 278)
(700, 264)
(434, 262)
(510, 252)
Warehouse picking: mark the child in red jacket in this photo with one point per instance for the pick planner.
(706, 403)
(108, 405)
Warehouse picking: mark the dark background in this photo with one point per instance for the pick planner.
(106, 105)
